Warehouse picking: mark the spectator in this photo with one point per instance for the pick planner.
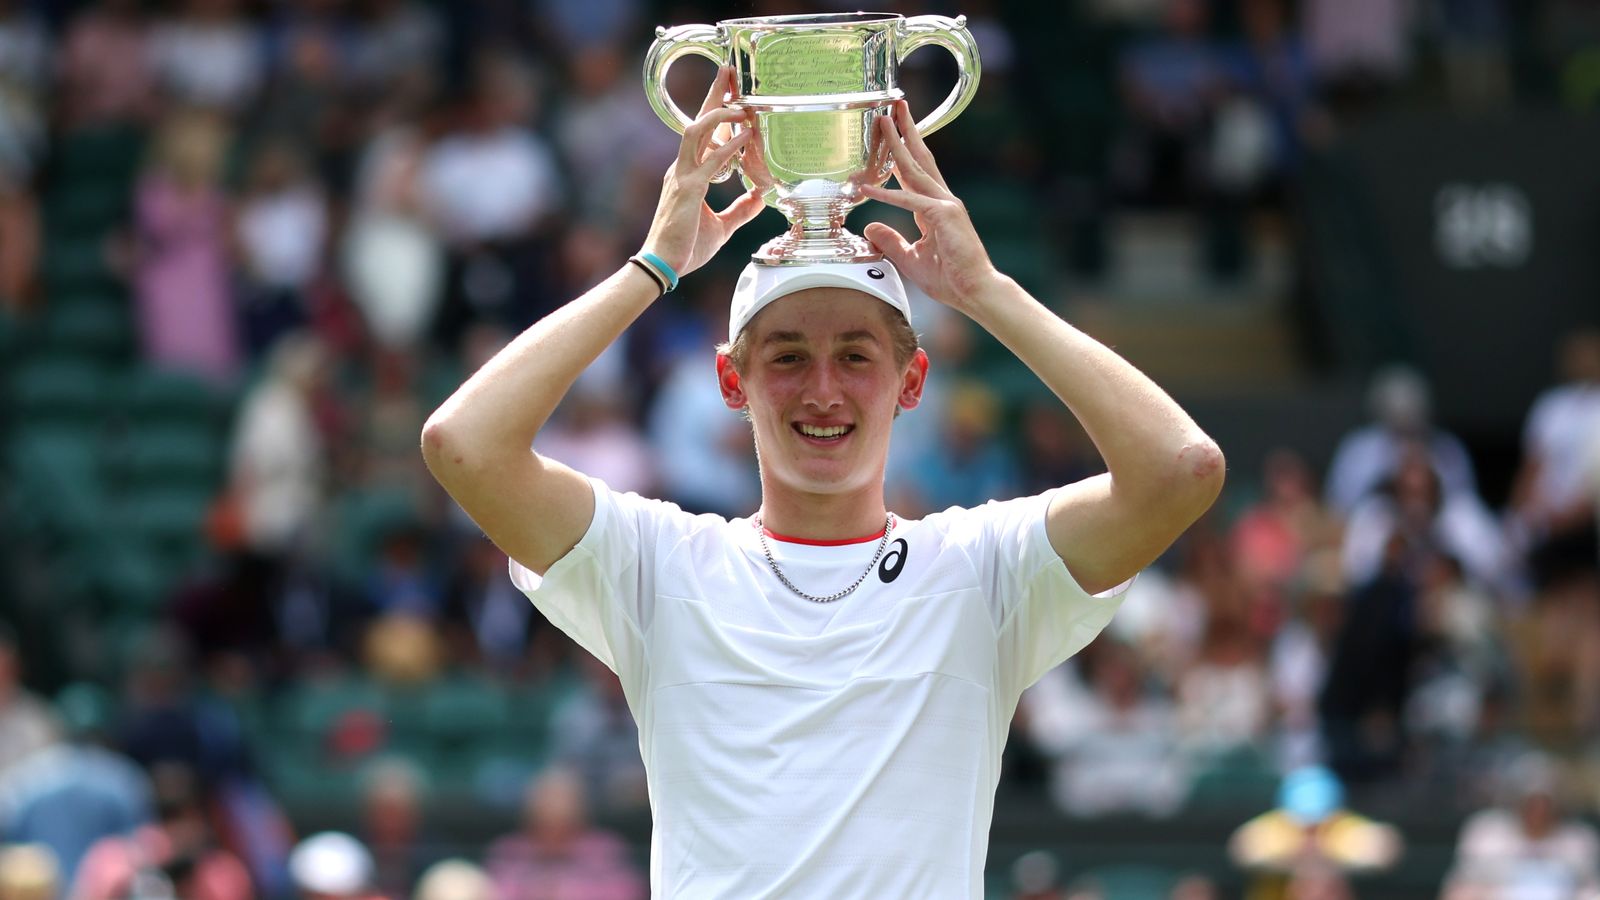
(1170, 84)
(185, 306)
(558, 854)
(1270, 540)
(29, 872)
(1524, 847)
(1224, 698)
(106, 74)
(24, 73)
(210, 55)
(1428, 519)
(702, 448)
(331, 865)
(968, 465)
(593, 430)
(71, 795)
(597, 737)
(611, 142)
(454, 879)
(281, 230)
(1553, 503)
(278, 464)
(27, 724)
(1369, 671)
(1311, 827)
(19, 242)
(1367, 457)
(391, 258)
(491, 622)
(1359, 49)
(492, 185)
(393, 41)
(393, 801)
(1113, 742)
(175, 857)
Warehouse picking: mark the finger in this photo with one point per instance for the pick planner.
(907, 170)
(913, 140)
(719, 156)
(892, 244)
(721, 86)
(742, 210)
(698, 134)
(906, 200)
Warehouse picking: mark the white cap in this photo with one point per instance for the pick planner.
(759, 285)
(331, 863)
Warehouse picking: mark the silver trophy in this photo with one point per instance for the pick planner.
(815, 85)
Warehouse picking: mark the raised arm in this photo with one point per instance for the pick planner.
(478, 444)
(1163, 471)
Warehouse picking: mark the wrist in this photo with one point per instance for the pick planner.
(975, 293)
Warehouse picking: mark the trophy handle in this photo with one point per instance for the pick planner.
(951, 34)
(670, 45)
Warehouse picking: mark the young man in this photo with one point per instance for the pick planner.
(823, 690)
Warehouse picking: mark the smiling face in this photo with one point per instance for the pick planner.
(821, 385)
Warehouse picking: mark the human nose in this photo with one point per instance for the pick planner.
(822, 387)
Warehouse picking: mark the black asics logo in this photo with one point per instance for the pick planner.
(875, 273)
(893, 561)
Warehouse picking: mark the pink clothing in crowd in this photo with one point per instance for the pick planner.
(592, 866)
(186, 316)
(119, 867)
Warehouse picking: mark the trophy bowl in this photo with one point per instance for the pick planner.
(814, 86)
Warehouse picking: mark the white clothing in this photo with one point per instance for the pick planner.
(797, 749)
(282, 234)
(1563, 433)
(217, 65)
(1462, 527)
(486, 187)
(1369, 456)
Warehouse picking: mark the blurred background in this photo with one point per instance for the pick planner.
(246, 246)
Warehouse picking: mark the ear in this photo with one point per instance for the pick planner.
(728, 382)
(916, 378)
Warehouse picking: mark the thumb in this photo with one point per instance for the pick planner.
(888, 241)
(742, 210)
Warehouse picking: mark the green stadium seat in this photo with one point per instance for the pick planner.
(54, 483)
(77, 263)
(180, 454)
(93, 329)
(1128, 882)
(170, 518)
(152, 395)
(86, 208)
(59, 390)
(101, 154)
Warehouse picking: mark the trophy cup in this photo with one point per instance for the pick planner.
(814, 85)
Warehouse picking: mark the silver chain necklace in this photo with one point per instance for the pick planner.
(761, 532)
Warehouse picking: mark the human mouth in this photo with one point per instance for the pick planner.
(823, 432)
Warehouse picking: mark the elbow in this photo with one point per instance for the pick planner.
(440, 446)
(1199, 475)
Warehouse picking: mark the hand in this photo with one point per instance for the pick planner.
(948, 262)
(686, 232)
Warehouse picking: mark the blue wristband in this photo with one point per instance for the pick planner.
(661, 266)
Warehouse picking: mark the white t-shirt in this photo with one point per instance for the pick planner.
(798, 749)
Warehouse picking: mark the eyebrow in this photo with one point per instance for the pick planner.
(861, 335)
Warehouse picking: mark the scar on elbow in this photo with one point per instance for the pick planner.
(1204, 460)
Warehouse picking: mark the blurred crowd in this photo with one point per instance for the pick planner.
(334, 210)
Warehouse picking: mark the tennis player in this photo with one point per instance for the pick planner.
(823, 689)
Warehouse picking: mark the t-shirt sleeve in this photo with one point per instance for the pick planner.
(1041, 614)
(602, 592)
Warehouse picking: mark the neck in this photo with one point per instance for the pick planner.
(822, 517)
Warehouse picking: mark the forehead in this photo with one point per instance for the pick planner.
(822, 312)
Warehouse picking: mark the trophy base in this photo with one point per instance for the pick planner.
(797, 248)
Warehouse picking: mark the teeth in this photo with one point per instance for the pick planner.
(820, 432)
